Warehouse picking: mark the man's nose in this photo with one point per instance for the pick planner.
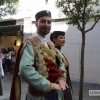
(46, 23)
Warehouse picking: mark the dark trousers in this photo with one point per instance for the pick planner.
(4, 67)
(8, 63)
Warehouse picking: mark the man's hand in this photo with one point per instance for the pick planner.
(62, 71)
(62, 84)
(56, 86)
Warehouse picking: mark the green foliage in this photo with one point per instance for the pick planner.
(8, 7)
(77, 11)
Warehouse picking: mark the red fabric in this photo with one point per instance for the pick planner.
(52, 70)
(16, 70)
(13, 92)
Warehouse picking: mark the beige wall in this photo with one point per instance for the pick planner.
(8, 41)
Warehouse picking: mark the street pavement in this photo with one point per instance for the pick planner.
(7, 80)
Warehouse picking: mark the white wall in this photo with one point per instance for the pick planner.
(72, 51)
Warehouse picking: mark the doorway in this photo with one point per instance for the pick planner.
(11, 36)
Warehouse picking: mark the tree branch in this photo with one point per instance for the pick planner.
(86, 22)
(85, 4)
(8, 4)
(79, 27)
(5, 9)
(93, 25)
(78, 9)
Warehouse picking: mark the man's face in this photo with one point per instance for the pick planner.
(43, 25)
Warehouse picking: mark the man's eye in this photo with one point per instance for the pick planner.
(49, 22)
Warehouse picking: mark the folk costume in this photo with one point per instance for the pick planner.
(38, 65)
(1, 74)
(68, 93)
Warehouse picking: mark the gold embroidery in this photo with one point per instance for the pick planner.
(17, 87)
(42, 52)
(50, 87)
(65, 61)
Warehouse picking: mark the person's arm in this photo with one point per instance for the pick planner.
(1, 69)
(62, 70)
(29, 74)
(8, 54)
(62, 77)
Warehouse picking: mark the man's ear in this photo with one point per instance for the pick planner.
(36, 24)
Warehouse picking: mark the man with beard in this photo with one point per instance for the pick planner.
(38, 64)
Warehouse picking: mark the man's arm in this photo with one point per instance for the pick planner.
(29, 74)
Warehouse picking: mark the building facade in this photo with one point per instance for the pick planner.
(72, 48)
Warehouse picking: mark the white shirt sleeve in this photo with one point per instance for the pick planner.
(1, 68)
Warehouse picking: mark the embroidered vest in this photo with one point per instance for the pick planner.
(65, 62)
(45, 58)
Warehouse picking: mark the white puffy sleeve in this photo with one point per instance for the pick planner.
(1, 69)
